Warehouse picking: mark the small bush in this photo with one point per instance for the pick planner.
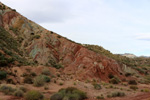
(46, 78)
(28, 80)
(36, 37)
(111, 76)
(117, 94)
(7, 89)
(132, 82)
(33, 95)
(46, 71)
(60, 83)
(46, 87)
(57, 96)
(10, 81)
(23, 89)
(19, 93)
(14, 10)
(39, 81)
(133, 87)
(114, 80)
(100, 97)
(128, 74)
(146, 90)
(97, 86)
(3, 75)
(58, 36)
(111, 86)
(52, 32)
(69, 93)
(33, 74)
(58, 66)
(109, 96)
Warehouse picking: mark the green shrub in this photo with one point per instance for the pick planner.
(117, 94)
(19, 93)
(97, 86)
(146, 90)
(128, 74)
(100, 97)
(57, 96)
(111, 86)
(69, 93)
(39, 81)
(3, 75)
(58, 36)
(60, 83)
(133, 87)
(52, 32)
(46, 78)
(46, 71)
(28, 80)
(14, 10)
(111, 76)
(23, 89)
(132, 82)
(46, 87)
(3, 62)
(57, 66)
(114, 80)
(7, 89)
(36, 37)
(147, 78)
(33, 95)
(109, 96)
(10, 81)
(33, 74)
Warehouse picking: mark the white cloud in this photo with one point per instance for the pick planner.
(143, 36)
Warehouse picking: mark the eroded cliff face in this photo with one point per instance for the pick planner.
(48, 48)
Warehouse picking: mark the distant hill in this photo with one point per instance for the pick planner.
(129, 55)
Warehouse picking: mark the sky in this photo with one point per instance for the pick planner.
(120, 26)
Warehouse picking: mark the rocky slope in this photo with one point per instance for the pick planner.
(40, 46)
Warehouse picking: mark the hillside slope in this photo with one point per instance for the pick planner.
(27, 43)
(48, 48)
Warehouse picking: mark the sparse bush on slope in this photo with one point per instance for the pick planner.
(3, 75)
(10, 46)
(40, 80)
(18, 93)
(69, 93)
(115, 80)
(132, 82)
(34, 95)
(7, 89)
(46, 71)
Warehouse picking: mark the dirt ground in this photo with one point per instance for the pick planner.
(86, 86)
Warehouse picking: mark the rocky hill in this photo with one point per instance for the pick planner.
(43, 47)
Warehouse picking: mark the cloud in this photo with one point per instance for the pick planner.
(42, 11)
(143, 36)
